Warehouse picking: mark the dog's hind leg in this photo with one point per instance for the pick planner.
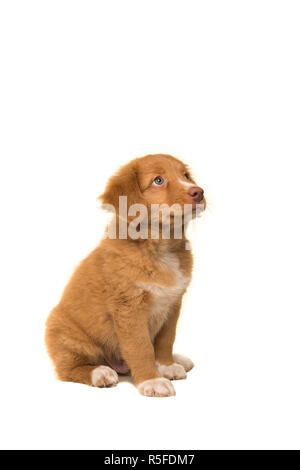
(85, 373)
(100, 376)
(77, 359)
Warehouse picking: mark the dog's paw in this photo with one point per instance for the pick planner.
(173, 372)
(104, 376)
(159, 387)
(183, 361)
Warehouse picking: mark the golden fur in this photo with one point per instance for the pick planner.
(123, 301)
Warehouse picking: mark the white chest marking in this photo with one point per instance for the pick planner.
(164, 297)
(171, 263)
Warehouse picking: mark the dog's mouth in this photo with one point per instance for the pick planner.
(199, 207)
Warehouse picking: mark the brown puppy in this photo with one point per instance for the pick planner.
(119, 311)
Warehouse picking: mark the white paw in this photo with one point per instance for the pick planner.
(172, 372)
(104, 376)
(159, 387)
(184, 361)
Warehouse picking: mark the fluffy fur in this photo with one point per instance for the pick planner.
(119, 310)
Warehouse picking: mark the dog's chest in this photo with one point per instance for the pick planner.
(164, 297)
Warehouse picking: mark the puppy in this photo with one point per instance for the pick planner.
(119, 311)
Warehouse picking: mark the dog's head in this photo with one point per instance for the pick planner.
(154, 179)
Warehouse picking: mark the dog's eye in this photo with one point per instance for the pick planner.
(186, 176)
(158, 181)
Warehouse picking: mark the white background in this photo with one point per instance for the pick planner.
(85, 87)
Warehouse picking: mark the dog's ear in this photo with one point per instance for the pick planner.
(123, 183)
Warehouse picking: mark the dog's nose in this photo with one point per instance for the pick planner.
(196, 193)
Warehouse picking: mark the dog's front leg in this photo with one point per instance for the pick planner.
(169, 365)
(131, 326)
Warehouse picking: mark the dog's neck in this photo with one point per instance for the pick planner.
(156, 246)
(159, 235)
